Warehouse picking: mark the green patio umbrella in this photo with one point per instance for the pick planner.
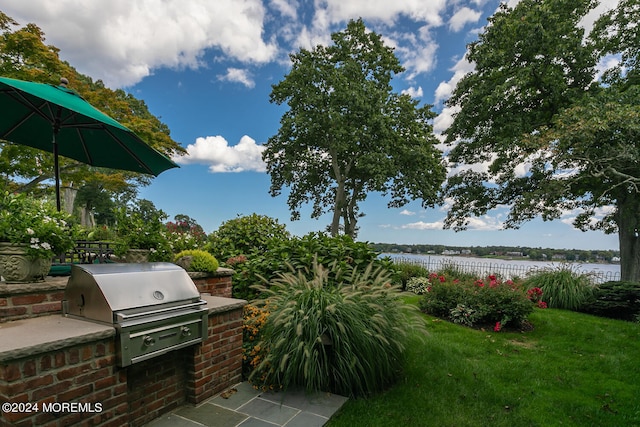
(58, 120)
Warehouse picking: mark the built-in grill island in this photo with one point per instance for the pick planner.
(155, 307)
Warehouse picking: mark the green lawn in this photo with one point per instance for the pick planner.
(571, 370)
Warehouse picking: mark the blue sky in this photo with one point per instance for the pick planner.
(206, 69)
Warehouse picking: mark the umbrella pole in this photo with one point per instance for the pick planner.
(56, 168)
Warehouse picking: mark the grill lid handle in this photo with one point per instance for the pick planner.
(121, 316)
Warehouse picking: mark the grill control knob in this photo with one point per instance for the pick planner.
(185, 331)
(148, 340)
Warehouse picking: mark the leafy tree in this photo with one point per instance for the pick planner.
(24, 55)
(553, 138)
(347, 133)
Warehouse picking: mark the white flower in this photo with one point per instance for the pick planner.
(35, 240)
(30, 232)
(46, 246)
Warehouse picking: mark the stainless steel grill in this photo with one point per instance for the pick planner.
(155, 307)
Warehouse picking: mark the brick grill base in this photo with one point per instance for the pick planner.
(133, 396)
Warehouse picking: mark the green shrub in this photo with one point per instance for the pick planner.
(617, 300)
(486, 302)
(442, 297)
(418, 285)
(262, 266)
(409, 270)
(454, 271)
(198, 260)
(344, 337)
(245, 235)
(562, 287)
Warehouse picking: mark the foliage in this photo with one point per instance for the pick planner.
(345, 337)
(455, 272)
(253, 353)
(573, 369)
(481, 302)
(347, 134)
(617, 300)
(199, 260)
(554, 139)
(25, 55)
(408, 270)
(562, 287)
(258, 248)
(185, 233)
(141, 226)
(36, 223)
(245, 235)
(418, 285)
(99, 233)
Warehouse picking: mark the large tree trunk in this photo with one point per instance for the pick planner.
(628, 221)
(69, 197)
(338, 208)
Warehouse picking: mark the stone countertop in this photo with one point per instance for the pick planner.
(24, 338)
(50, 284)
(222, 304)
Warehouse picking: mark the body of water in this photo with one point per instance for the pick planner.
(507, 267)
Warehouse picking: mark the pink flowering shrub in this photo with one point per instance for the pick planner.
(486, 302)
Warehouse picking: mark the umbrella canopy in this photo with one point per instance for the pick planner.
(58, 120)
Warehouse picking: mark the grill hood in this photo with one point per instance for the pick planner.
(98, 291)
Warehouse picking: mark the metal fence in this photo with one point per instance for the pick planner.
(503, 270)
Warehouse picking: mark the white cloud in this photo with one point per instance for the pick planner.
(287, 8)
(421, 225)
(216, 152)
(122, 41)
(484, 223)
(599, 213)
(460, 69)
(416, 51)
(385, 10)
(603, 6)
(442, 122)
(239, 76)
(462, 17)
(407, 212)
(414, 92)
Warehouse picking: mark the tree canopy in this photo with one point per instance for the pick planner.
(347, 133)
(25, 55)
(545, 135)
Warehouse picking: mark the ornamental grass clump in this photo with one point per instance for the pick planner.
(562, 287)
(345, 337)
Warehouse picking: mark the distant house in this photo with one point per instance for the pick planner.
(514, 254)
(466, 252)
(559, 256)
(450, 252)
(615, 259)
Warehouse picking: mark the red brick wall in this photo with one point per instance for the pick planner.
(32, 299)
(156, 386)
(128, 396)
(217, 363)
(13, 307)
(215, 286)
(82, 374)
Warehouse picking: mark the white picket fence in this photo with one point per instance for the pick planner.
(503, 270)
